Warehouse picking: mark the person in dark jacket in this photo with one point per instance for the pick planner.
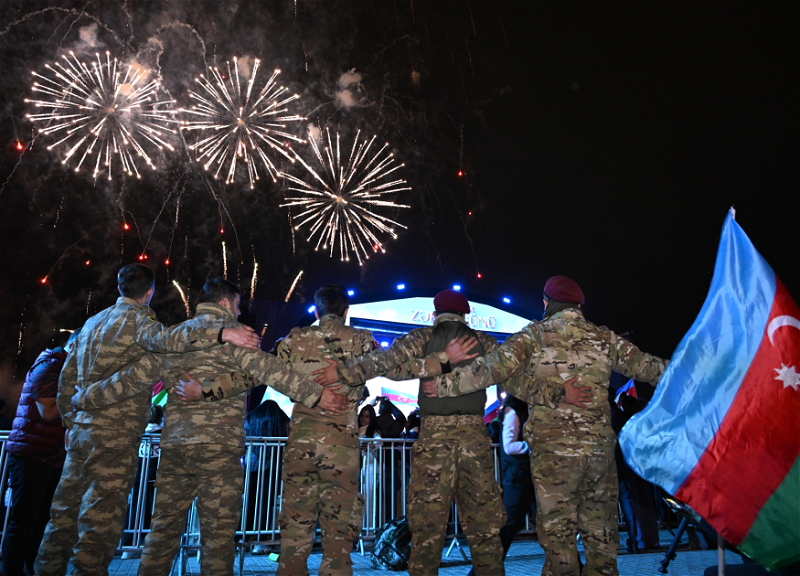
(36, 457)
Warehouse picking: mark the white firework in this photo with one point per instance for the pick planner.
(101, 112)
(239, 125)
(339, 202)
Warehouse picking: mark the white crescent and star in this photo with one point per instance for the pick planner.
(787, 374)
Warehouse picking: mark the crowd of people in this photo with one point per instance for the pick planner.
(557, 442)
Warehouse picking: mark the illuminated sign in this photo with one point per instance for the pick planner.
(419, 311)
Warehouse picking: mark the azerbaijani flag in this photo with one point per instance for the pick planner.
(722, 432)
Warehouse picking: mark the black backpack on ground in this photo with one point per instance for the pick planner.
(392, 547)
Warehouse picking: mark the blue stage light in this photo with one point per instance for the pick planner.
(351, 292)
(507, 300)
(311, 309)
(456, 286)
(401, 286)
(384, 344)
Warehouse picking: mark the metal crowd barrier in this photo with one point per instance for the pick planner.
(385, 475)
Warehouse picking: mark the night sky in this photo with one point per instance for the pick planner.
(603, 141)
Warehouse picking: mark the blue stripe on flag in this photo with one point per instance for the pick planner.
(663, 443)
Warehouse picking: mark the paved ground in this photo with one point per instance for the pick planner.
(524, 559)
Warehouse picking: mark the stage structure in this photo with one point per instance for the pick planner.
(389, 319)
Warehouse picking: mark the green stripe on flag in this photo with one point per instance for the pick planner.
(774, 537)
(160, 398)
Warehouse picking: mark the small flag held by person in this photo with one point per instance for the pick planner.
(722, 432)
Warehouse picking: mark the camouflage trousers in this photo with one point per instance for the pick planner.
(88, 509)
(453, 459)
(320, 481)
(214, 475)
(576, 494)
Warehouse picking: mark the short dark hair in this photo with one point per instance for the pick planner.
(216, 289)
(331, 299)
(134, 280)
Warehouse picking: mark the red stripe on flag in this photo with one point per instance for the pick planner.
(758, 439)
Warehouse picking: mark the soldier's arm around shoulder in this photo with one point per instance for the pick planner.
(67, 388)
(509, 359)
(627, 359)
(270, 371)
(426, 367)
(130, 381)
(189, 336)
(381, 361)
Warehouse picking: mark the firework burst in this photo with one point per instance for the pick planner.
(103, 108)
(239, 125)
(339, 202)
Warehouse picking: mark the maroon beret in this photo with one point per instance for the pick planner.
(451, 301)
(564, 289)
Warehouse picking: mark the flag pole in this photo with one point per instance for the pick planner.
(720, 555)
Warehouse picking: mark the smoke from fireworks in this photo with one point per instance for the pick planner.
(339, 204)
(104, 110)
(238, 125)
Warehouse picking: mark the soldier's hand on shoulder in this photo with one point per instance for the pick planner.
(244, 337)
(458, 349)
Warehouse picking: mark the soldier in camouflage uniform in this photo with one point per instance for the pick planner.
(453, 456)
(321, 469)
(572, 450)
(89, 504)
(322, 461)
(202, 443)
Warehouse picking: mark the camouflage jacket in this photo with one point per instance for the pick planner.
(212, 422)
(305, 350)
(403, 360)
(547, 354)
(109, 340)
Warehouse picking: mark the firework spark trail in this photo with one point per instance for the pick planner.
(184, 298)
(224, 261)
(338, 204)
(253, 280)
(238, 125)
(119, 112)
(291, 289)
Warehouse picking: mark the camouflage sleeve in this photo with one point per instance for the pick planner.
(488, 343)
(67, 387)
(272, 372)
(627, 359)
(407, 352)
(227, 385)
(508, 360)
(153, 336)
(283, 349)
(129, 381)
